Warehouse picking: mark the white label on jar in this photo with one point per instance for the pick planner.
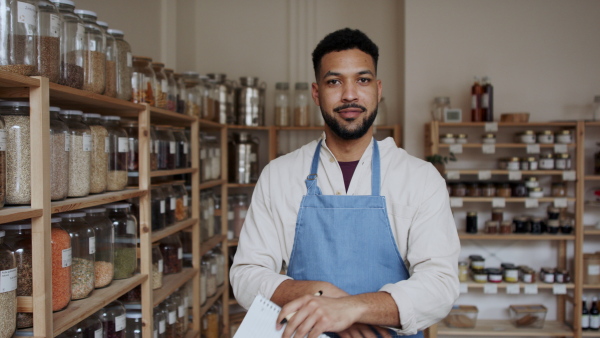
(243, 214)
(98, 333)
(229, 234)
(526, 138)
(3, 140)
(172, 317)
(559, 289)
(593, 270)
(594, 322)
(181, 310)
(179, 253)
(513, 289)
(163, 207)
(129, 60)
(456, 148)
(533, 148)
(173, 203)
(26, 13)
(107, 144)
(155, 333)
(545, 139)
(531, 289)
(67, 142)
(560, 202)
(185, 148)
(164, 86)
(491, 127)
(527, 278)
(160, 265)
(230, 215)
(80, 35)
(453, 175)
(172, 147)
(252, 157)
(484, 175)
(8, 280)
(92, 243)
(547, 163)
(123, 146)
(66, 258)
(515, 175)
(213, 269)
(156, 147)
(498, 202)
(185, 201)
(564, 138)
(202, 154)
(162, 326)
(456, 202)
(87, 142)
(490, 288)
(560, 148)
(511, 274)
(485, 99)
(120, 323)
(513, 165)
(531, 203)
(549, 278)
(54, 25)
(488, 148)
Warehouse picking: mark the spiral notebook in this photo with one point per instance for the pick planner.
(260, 320)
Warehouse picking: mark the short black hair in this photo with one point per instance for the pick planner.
(344, 39)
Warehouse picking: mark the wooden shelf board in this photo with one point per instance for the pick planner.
(162, 233)
(592, 177)
(502, 328)
(590, 334)
(237, 185)
(503, 145)
(211, 243)
(211, 184)
(206, 124)
(159, 115)
(81, 309)
(541, 286)
(506, 172)
(11, 214)
(591, 230)
(211, 300)
(8, 80)
(94, 200)
(238, 127)
(591, 286)
(511, 199)
(159, 173)
(511, 124)
(592, 123)
(172, 283)
(67, 97)
(516, 237)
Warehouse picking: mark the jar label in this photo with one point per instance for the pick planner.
(80, 35)
(54, 25)
(230, 215)
(527, 278)
(252, 157)
(160, 266)
(66, 258)
(593, 270)
(172, 317)
(173, 203)
(229, 234)
(107, 144)
(98, 333)
(594, 322)
(485, 99)
(179, 253)
(172, 147)
(26, 13)
(92, 242)
(8, 280)
(162, 207)
(185, 148)
(67, 142)
(511, 275)
(162, 327)
(129, 60)
(181, 311)
(120, 323)
(87, 142)
(155, 333)
(156, 147)
(164, 85)
(213, 269)
(2, 140)
(123, 146)
(185, 201)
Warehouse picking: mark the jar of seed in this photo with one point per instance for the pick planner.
(2, 162)
(48, 43)
(99, 155)
(142, 81)
(125, 227)
(61, 265)
(83, 243)
(80, 159)
(8, 290)
(94, 60)
(18, 155)
(114, 319)
(172, 253)
(103, 259)
(131, 128)
(172, 93)
(60, 146)
(124, 64)
(162, 85)
(110, 87)
(118, 148)
(18, 25)
(73, 45)
(157, 267)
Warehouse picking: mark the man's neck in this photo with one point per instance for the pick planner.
(347, 150)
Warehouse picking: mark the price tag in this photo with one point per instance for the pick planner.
(453, 175)
(456, 148)
(569, 175)
(464, 288)
(498, 202)
(560, 202)
(560, 148)
(559, 289)
(484, 175)
(515, 175)
(533, 148)
(513, 289)
(491, 127)
(488, 148)
(531, 289)
(531, 203)
(490, 288)
(456, 202)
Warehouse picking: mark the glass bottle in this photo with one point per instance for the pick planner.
(80, 153)
(282, 104)
(110, 87)
(162, 85)
(18, 35)
(142, 81)
(61, 265)
(439, 106)
(114, 319)
(193, 102)
(170, 310)
(73, 47)
(94, 60)
(99, 154)
(59, 156)
(8, 291)
(131, 128)
(157, 267)
(50, 25)
(476, 97)
(125, 229)
(173, 90)
(105, 238)
(18, 167)
(182, 148)
(124, 64)
(301, 105)
(159, 207)
(83, 244)
(172, 253)
(118, 148)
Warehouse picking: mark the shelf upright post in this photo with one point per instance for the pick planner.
(224, 225)
(579, 227)
(196, 240)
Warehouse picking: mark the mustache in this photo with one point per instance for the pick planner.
(349, 105)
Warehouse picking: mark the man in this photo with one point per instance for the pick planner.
(360, 221)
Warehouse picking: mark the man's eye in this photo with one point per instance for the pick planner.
(333, 81)
(364, 80)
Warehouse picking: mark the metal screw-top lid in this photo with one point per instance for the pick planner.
(81, 12)
(65, 2)
(111, 118)
(71, 214)
(248, 81)
(102, 24)
(282, 86)
(301, 86)
(112, 31)
(14, 104)
(92, 115)
(71, 112)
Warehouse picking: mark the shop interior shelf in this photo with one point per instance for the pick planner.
(67, 97)
(162, 233)
(211, 243)
(504, 328)
(11, 214)
(540, 285)
(159, 173)
(516, 237)
(591, 334)
(206, 124)
(211, 300)
(163, 116)
(591, 230)
(506, 172)
(591, 286)
(504, 145)
(8, 80)
(171, 283)
(592, 177)
(513, 199)
(211, 184)
(238, 127)
(94, 200)
(237, 185)
(510, 124)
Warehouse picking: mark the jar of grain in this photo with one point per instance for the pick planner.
(171, 249)
(61, 265)
(8, 290)
(18, 31)
(173, 90)
(118, 148)
(18, 155)
(99, 154)
(2, 162)
(74, 45)
(142, 81)
(193, 99)
(94, 60)
(125, 227)
(182, 148)
(157, 267)
(124, 64)
(59, 156)
(104, 232)
(162, 85)
(114, 319)
(80, 154)
(301, 105)
(110, 87)
(50, 24)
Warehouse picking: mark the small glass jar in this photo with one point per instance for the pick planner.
(114, 319)
(488, 138)
(522, 225)
(491, 227)
(125, 228)
(448, 139)
(282, 104)
(519, 190)
(480, 276)
(182, 148)
(167, 148)
(537, 225)
(59, 156)
(131, 128)
(162, 85)
(110, 87)
(302, 103)
(471, 222)
(546, 161)
(124, 65)
(172, 253)
(459, 190)
(533, 163)
(527, 137)
(157, 267)
(566, 226)
(439, 106)
(19, 32)
(173, 90)
(553, 212)
(536, 192)
(80, 154)
(99, 154)
(545, 137)
(477, 263)
(532, 182)
(118, 148)
(159, 208)
(528, 275)
(142, 81)
(463, 272)
(547, 275)
(8, 293)
(503, 190)
(17, 151)
(498, 214)
(488, 190)
(560, 276)
(511, 274)
(564, 136)
(494, 275)
(461, 138)
(562, 161)
(473, 190)
(94, 64)
(104, 233)
(513, 163)
(559, 189)
(83, 242)
(553, 226)
(170, 203)
(50, 25)
(503, 163)
(506, 227)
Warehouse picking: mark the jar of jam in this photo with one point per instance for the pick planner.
(519, 189)
(447, 139)
(559, 189)
(553, 213)
(497, 214)
(488, 138)
(527, 275)
(471, 222)
(528, 137)
(494, 275)
(564, 136)
(537, 225)
(473, 190)
(511, 274)
(546, 161)
(553, 226)
(532, 182)
(545, 137)
(488, 190)
(506, 227)
(566, 226)
(536, 192)
(461, 138)
(503, 190)
(562, 276)
(513, 163)
(463, 271)
(562, 161)
(521, 225)
(477, 263)
(480, 276)
(533, 163)
(547, 275)
(459, 190)
(491, 227)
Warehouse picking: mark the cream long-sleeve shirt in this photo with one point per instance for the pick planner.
(419, 213)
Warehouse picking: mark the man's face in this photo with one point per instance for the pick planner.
(347, 92)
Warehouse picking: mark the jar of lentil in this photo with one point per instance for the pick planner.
(503, 190)
(8, 289)
(142, 81)
(157, 267)
(562, 161)
(182, 148)
(545, 137)
(110, 87)
(172, 253)
(173, 90)
(61, 265)
(546, 161)
(181, 202)
(564, 136)
(159, 207)
(83, 242)
(80, 159)
(118, 148)
(124, 65)
(48, 42)
(2, 163)
(171, 204)
(162, 85)
(114, 319)
(131, 128)
(104, 260)
(94, 60)
(73, 47)
(18, 154)
(99, 154)
(125, 228)
(167, 148)
(18, 31)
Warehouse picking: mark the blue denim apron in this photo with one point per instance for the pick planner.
(346, 240)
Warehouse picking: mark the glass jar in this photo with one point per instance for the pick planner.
(471, 222)
(562, 161)
(134, 324)
(522, 225)
(566, 226)
(172, 253)
(132, 296)
(172, 90)
(118, 148)
(506, 227)
(50, 24)
(537, 225)
(553, 213)
(492, 227)
(162, 85)
(167, 148)
(211, 279)
(448, 138)
(282, 104)
(59, 156)
(547, 275)
(497, 214)
(114, 319)
(532, 182)
(125, 228)
(181, 202)
(488, 190)
(124, 65)
(545, 137)
(564, 136)
(179, 325)
(80, 153)
(73, 47)
(210, 323)
(18, 31)
(159, 208)
(170, 311)
(439, 106)
(230, 217)
(142, 81)
(104, 269)
(204, 273)
(220, 260)
(99, 154)
(170, 202)
(494, 275)
(154, 148)
(473, 190)
(519, 189)
(92, 326)
(223, 95)
(182, 148)
(8, 291)
(513, 163)
(83, 244)
(211, 163)
(527, 137)
(477, 263)
(240, 209)
(181, 93)
(503, 190)
(110, 88)
(94, 60)
(463, 272)
(160, 322)
(157, 267)
(553, 226)
(488, 138)
(536, 192)
(559, 189)
(131, 128)
(301, 105)
(461, 138)
(184, 306)
(527, 275)
(61, 265)
(217, 215)
(18, 153)
(193, 100)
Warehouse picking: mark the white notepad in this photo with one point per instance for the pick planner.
(260, 320)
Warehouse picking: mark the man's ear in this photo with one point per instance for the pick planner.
(315, 93)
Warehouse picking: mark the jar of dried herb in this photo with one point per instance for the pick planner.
(99, 154)
(83, 242)
(118, 148)
(104, 261)
(125, 227)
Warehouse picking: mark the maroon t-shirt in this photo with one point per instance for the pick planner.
(348, 170)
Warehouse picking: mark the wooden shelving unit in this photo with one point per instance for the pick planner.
(500, 328)
(171, 283)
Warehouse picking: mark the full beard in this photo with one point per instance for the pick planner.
(344, 132)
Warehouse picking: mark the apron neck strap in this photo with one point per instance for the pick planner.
(375, 170)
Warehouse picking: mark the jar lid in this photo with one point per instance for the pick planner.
(158, 64)
(514, 159)
(102, 24)
(521, 218)
(547, 155)
(532, 159)
(536, 219)
(462, 136)
(563, 155)
(282, 86)
(495, 210)
(546, 132)
(92, 115)
(492, 223)
(94, 210)
(448, 136)
(55, 220)
(301, 86)
(489, 135)
(169, 70)
(71, 214)
(553, 222)
(493, 271)
(476, 258)
(536, 189)
(565, 132)
(508, 265)
(547, 270)
(471, 213)
(118, 206)
(66, 2)
(71, 112)
(14, 104)
(528, 132)
(85, 12)
(54, 109)
(532, 178)
(134, 315)
(506, 223)
(115, 32)
(558, 183)
(553, 209)
(190, 73)
(111, 118)
(133, 174)
(16, 226)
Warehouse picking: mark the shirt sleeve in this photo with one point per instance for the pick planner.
(433, 248)
(258, 258)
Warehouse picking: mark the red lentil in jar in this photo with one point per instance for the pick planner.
(61, 266)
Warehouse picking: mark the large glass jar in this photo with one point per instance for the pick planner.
(134, 324)
(73, 47)
(59, 156)
(80, 153)
(193, 103)
(184, 306)
(94, 60)
(210, 323)
(159, 208)
(220, 259)
(110, 87)
(170, 202)
(167, 148)
(124, 64)
(131, 128)
(8, 290)
(162, 85)
(170, 311)
(301, 105)
(99, 154)
(50, 25)
(105, 237)
(172, 253)
(157, 267)
(243, 158)
(83, 243)
(142, 81)
(2, 162)
(92, 327)
(18, 155)
(18, 35)
(282, 104)
(181, 93)
(173, 90)
(61, 265)
(223, 94)
(114, 320)
(125, 227)
(211, 279)
(118, 148)
(160, 322)
(180, 324)
(182, 209)
(182, 148)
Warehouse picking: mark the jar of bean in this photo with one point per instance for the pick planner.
(125, 227)
(110, 87)
(73, 45)
(172, 253)
(94, 60)
(104, 260)
(157, 267)
(80, 154)
(99, 161)
(83, 242)
(118, 148)
(18, 154)
(142, 81)
(114, 320)
(18, 24)
(124, 65)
